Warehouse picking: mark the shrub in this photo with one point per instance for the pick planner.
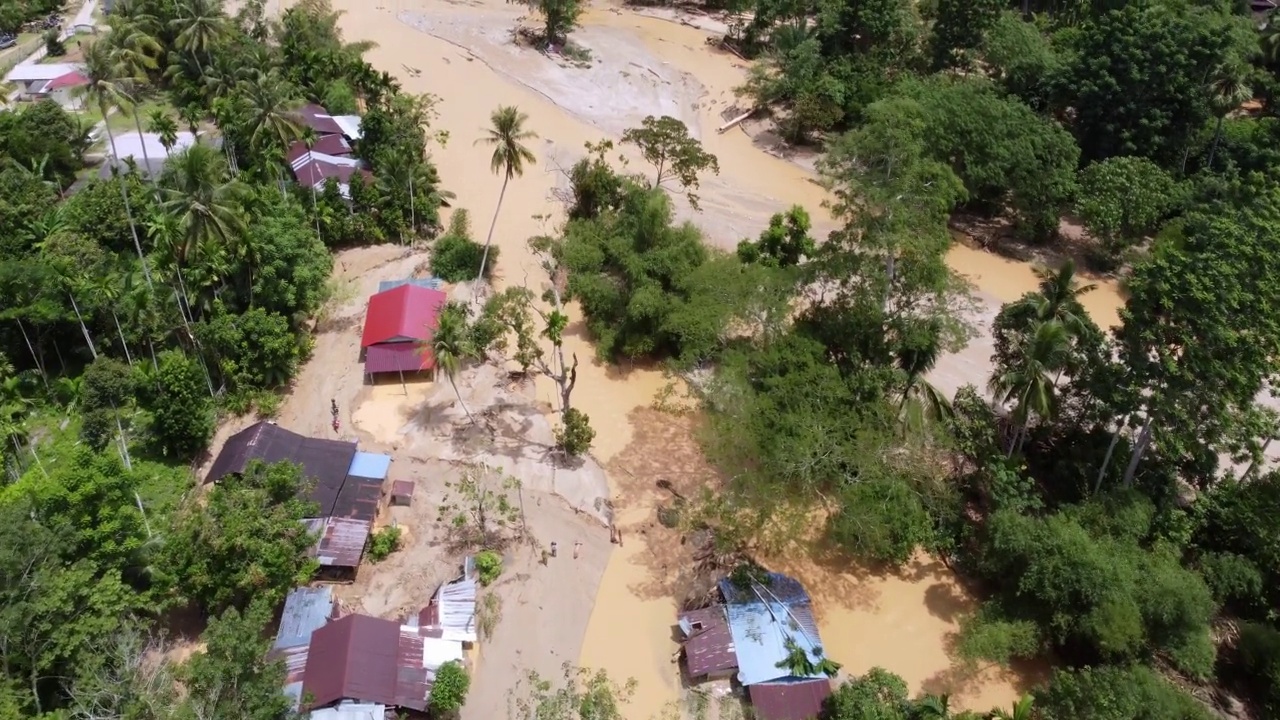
(53, 45)
(455, 257)
(383, 543)
(489, 565)
(1259, 648)
(575, 436)
(449, 690)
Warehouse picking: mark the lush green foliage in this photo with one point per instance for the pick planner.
(575, 435)
(247, 542)
(488, 566)
(382, 543)
(455, 257)
(449, 690)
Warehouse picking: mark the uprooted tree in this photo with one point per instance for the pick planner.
(480, 510)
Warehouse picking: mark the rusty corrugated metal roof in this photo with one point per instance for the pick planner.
(708, 645)
(797, 700)
(341, 542)
(412, 685)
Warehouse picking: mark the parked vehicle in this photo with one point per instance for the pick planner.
(7, 41)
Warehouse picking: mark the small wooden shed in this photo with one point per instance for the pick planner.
(402, 493)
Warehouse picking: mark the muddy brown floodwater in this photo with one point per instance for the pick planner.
(641, 65)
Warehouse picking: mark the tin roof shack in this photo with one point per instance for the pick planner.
(451, 614)
(768, 621)
(305, 611)
(708, 644)
(345, 483)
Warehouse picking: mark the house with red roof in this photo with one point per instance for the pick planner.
(398, 327)
(57, 82)
(330, 154)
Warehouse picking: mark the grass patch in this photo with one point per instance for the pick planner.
(488, 614)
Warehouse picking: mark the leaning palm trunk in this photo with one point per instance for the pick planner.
(123, 343)
(128, 211)
(484, 259)
(1106, 459)
(142, 141)
(1139, 449)
(83, 328)
(44, 377)
(1217, 136)
(460, 401)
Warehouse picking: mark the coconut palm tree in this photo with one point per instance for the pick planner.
(1227, 91)
(1026, 380)
(917, 354)
(1022, 710)
(135, 54)
(199, 25)
(506, 134)
(107, 288)
(107, 90)
(197, 190)
(1059, 296)
(451, 347)
(166, 127)
(271, 117)
(934, 707)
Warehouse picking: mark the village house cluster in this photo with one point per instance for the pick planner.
(348, 666)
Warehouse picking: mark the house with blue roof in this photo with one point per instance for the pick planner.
(769, 622)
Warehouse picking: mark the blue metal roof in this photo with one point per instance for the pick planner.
(370, 465)
(763, 620)
(430, 283)
(305, 611)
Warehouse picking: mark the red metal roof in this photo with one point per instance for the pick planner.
(318, 119)
(325, 144)
(800, 700)
(352, 658)
(709, 647)
(408, 312)
(71, 79)
(398, 357)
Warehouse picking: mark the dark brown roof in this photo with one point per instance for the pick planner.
(352, 658)
(369, 659)
(709, 645)
(325, 462)
(800, 700)
(357, 499)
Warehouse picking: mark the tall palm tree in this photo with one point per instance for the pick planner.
(1027, 379)
(107, 91)
(921, 401)
(135, 55)
(934, 707)
(451, 347)
(197, 190)
(1059, 296)
(199, 25)
(1227, 91)
(506, 134)
(108, 288)
(271, 105)
(1022, 710)
(166, 127)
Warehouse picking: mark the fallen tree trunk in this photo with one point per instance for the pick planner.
(736, 121)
